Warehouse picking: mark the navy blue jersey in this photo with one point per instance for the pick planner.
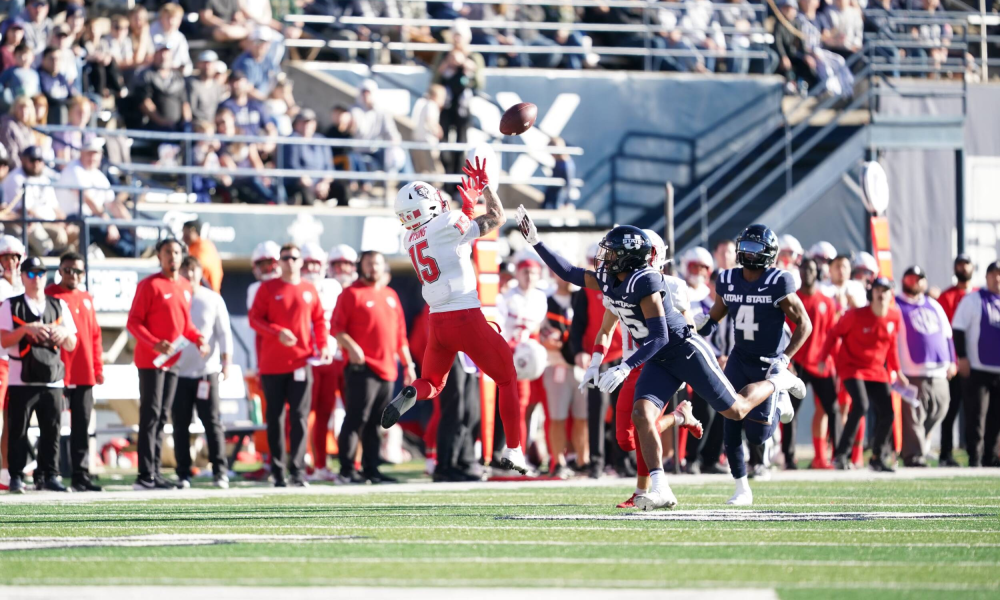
(758, 321)
(623, 298)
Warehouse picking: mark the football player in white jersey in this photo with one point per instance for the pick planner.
(327, 378)
(343, 264)
(624, 429)
(11, 253)
(439, 242)
(264, 259)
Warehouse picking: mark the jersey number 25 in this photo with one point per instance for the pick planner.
(426, 267)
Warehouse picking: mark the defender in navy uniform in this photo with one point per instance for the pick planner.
(758, 298)
(670, 352)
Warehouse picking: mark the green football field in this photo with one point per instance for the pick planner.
(865, 536)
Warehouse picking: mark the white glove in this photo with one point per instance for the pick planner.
(613, 378)
(778, 364)
(700, 321)
(528, 229)
(593, 372)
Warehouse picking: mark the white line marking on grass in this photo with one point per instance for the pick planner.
(373, 593)
(158, 540)
(740, 515)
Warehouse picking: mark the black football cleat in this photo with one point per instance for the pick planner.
(398, 407)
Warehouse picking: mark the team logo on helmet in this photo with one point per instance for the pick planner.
(632, 242)
(422, 191)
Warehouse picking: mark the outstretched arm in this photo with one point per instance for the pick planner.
(494, 217)
(560, 266)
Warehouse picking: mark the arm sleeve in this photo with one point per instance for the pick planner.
(258, 316)
(654, 342)
(560, 266)
(136, 323)
(223, 330)
(321, 331)
(960, 350)
(578, 326)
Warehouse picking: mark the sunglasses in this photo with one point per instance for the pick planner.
(290, 258)
(35, 274)
(71, 271)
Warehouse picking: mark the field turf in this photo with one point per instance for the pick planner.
(944, 543)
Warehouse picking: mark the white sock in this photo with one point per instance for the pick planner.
(678, 418)
(639, 490)
(4, 477)
(742, 485)
(655, 477)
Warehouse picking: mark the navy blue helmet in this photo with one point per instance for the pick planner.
(757, 247)
(623, 250)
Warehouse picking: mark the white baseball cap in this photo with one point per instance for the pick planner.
(343, 253)
(311, 251)
(11, 245)
(266, 250)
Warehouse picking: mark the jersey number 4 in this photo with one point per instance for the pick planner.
(426, 267)
(745, 322)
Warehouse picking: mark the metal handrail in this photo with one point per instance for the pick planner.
(601, 3)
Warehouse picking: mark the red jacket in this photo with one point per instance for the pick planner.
(950, 298)
(822, 311)
(374, 319)
(296, 307)
(868, 344)
(161, 310)
(84, 365)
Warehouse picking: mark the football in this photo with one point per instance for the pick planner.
(518, 118)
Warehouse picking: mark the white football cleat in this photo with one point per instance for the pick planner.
(512, 459)
(655, 499)
(784, 380)
(786, 408)
(741, 498)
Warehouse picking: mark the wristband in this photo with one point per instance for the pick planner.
(602, 350)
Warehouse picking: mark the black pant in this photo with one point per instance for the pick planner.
(826, 391)
(156, 395)
(597, 410)
(280, 390)
(367, 396)
(46, 402)
(982, 417)
(81, 406)
(459, 401)
(878, 396)
(185, 404)
(957, 387)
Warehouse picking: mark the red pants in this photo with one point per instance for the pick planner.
(468, 331)
(4, 370)
(328, 382)
(624, 429)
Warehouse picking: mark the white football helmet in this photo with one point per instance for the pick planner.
(789, 243)
(343, 253)
(530, 360)
(823, 251)
(11, 245)
(864, 260)
(658, 257)
(698, 256)
(268, 250)
(417, 203)
(311, 251)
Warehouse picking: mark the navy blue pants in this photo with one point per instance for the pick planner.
(690, 361)
(741, 372)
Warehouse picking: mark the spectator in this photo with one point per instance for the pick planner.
(846, 292)
(67, 144)
(102, 71)
(557, 197)
(16, 132)
(21, 80)
(702, 29)
(86, 189)
(369, 325)
(36, 375)
(63, 41)
(823, 314)
(490, 36)
(199, 376)
(567, 37)
(427, 115)
(845, 27)
(281, 105)
(37, 25)
(84, 364)
(342, 128)
(562, 390)
(222, 20)
(160, 321)
(288, 316)
(302, 157)
(166, 31)
(202, 248)
(76, 20)
(140, 45)
(461, 73)
(205, 155)
(795, 61)
(927, 354)
(162, 94)
(949, 300)
(740, 16)
(261, 14)
(510, 36)
(28, 188)
(251, 115)
(57, 89)
(868, 344)
(373, 123)
(977, 343)
(240, 155)
(119, 46)
(933, 37)
(879, 21)
(724, 254)
(203, 91)
(12, 38)
(261, 73)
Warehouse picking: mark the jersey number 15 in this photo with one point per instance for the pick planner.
(426, 267)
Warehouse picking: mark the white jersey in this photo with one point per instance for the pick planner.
(329, 291)
(850, 295)
(522, 313)
(441, 253)
(679, 300)
(252, 293)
